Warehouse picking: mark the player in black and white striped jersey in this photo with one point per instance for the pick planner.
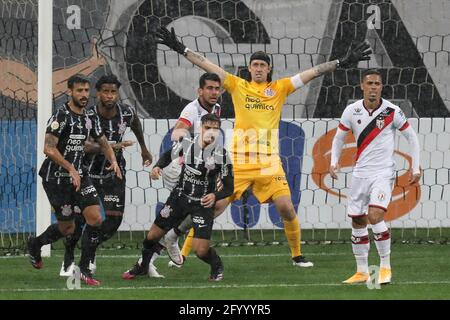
(114, 119)
(65, 180)
(188, 124)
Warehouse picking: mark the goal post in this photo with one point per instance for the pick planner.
(44, 109)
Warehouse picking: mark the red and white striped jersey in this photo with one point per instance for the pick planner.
(374, 131)
(193, 112)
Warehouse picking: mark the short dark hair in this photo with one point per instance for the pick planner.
(210, 117)
(107, 79)
(208, 76)
(77, 78)
(369, 72)
(260, 55)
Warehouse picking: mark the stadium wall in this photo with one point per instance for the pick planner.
(305, 147)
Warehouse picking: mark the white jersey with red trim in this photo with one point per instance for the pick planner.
(193, 112)
(374, 131)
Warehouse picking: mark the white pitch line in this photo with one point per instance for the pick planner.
(234, 286)
(222, 255)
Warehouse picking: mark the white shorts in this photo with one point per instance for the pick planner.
(369, 192)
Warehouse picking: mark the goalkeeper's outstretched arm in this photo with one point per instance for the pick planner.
(360, 52)
(169, 38)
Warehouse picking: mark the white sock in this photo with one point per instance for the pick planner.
(383, 243)
(154, 257)
(361, 246)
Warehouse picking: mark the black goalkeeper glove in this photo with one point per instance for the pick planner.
(353, 56)
(169, 38)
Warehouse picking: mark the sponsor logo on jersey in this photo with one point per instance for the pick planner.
(165, 212)
(75, 143)
(194, 171)
(77, 136)
(381, 196)
(66, 210)
(198, 220)
(253, 103)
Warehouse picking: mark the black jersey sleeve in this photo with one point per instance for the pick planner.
(96, 130)
(56, 123)
(226, 174)
(173, 153)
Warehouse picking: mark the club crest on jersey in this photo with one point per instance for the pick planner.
(122, 127)
(165, 212)
(66, 210)
(88, 123)
(269, 92)
(380, 123)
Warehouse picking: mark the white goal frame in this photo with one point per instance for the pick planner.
(44, 106)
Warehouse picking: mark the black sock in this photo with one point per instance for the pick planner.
(70, 242)
(177, 231)
(110, 226)
(89, 243)
(149, 248)
(211, 258)
(52, 234)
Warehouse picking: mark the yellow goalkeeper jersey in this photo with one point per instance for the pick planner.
(257, 108)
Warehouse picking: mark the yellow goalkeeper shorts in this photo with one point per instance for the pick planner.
(267, 183)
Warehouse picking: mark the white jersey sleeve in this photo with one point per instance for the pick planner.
(414, 144)
(345, 123)
(189, 115)
(400, 122)
(336, 147)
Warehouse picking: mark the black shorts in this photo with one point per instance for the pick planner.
(111, 192)
(177, 208)
(66, 202)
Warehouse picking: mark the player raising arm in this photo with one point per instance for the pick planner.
(258, 104)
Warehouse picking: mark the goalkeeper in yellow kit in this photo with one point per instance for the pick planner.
(254, 150)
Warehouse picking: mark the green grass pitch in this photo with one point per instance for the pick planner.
(420, 271)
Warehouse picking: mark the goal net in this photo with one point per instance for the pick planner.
(411, 45)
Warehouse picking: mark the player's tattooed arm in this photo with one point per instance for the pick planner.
(136, 127)
(203, 63)
(51, 151)
(355, 54)
(90, 146)
(317, 71)
(169, 38)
